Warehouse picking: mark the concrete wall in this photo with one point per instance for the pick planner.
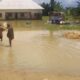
(33, 14)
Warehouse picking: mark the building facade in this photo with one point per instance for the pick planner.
(23, 10)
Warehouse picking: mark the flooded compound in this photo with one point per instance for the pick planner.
(40, 55)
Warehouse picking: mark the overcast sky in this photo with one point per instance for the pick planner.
(63, 2)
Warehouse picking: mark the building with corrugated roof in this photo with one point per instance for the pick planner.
(20, 9)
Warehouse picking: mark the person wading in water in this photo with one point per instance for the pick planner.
(10, 34)
(1, 32)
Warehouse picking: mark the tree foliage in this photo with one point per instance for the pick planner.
(58, 7)
(73, 11)
(46, 7)
(53, 6)
(78, 8)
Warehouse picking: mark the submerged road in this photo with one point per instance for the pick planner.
(39, 55)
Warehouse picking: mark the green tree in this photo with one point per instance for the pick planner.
(53, 6)
(46, 7)
(78, 8)
(58, 7)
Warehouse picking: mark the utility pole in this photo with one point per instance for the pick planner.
(52, 5)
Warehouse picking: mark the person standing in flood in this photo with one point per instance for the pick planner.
(10, 34)
(1, 32)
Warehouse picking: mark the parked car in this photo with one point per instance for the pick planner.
(56, 17)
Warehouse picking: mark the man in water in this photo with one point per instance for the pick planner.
(1, 33)
(10, 34)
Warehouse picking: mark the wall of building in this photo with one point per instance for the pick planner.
(20, 14)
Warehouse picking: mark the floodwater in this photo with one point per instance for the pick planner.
(40, 55)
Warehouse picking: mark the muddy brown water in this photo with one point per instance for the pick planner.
(39, 54)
